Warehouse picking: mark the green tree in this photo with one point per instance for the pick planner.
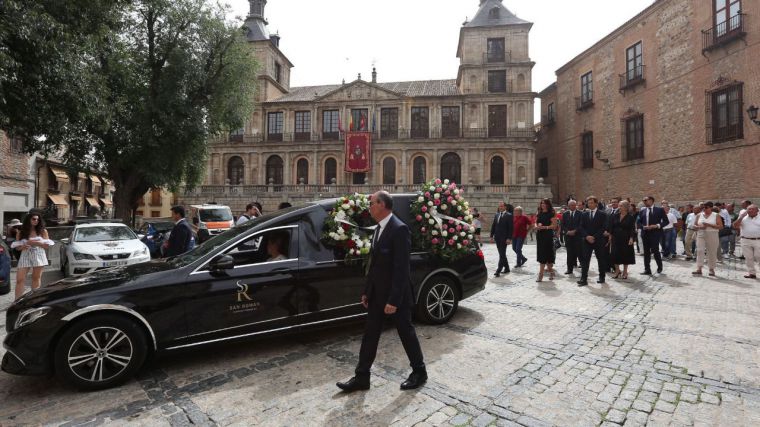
(135, 88)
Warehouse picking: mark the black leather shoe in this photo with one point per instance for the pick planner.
(568, 272)
(415, 380)
(582, 283)
(647, 272)
(659, 270)
(497, 274)
(354, 384)
(600, 281)
(506, 271)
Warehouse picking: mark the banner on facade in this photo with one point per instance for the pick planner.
(358, 146)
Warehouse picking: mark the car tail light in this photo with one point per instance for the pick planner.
(480, 254)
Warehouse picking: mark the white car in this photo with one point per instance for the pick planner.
(99, 245)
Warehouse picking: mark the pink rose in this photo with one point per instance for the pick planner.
(423, 229)
(427, 194)
(437, 202)
(448, 193)
(449, 199)
(438, 181)
(453, 186)
(466, 227)
(459, 228)
(452, 231)
(424, 209)
(438, 190)
(451, 221)
(451, 242)
(419, 218)
(434, 241)
(465, 242)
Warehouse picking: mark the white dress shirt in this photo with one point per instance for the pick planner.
(751, 227)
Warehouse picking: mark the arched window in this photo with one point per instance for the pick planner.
(451, 167)
(389, 170)
(419, 170)
(302, 171)
(331, 171)
(497, 170)
(274, 170)
(235, 170)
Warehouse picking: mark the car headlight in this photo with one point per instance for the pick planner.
(140, 252)
(80, 256)
(31, 316)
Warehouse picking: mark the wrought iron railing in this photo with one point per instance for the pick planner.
(724, 32)
(632, 77)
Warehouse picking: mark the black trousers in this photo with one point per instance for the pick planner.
(573, 247)
(601, 251)
(501, 247)
(402, 318)
(651, 241)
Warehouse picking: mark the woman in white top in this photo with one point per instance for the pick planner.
(32, 240)
(707, 223)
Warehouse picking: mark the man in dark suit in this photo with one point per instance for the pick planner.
(181, 235)
(653, 219)
(571, 221)
(592, 229)
(501, 233)
(388, 292)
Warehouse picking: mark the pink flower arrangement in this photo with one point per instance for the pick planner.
(423, 209)
(419, 218)
(437, 202)
(451, 242)
(437, 181)
(465, 242)
(434, 241)
(451, 230)
(423, 229)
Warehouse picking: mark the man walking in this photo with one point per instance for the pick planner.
(749, 225)
(501, 233)
(691, 232)
(181, 237)
(388, 292)
(592, 229)
(669, 232)
(571, 220)
(653, 220)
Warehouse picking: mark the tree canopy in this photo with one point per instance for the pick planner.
(134, 88)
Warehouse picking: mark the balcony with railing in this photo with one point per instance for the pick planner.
(724, 33)
(631, 78)
(584, 102)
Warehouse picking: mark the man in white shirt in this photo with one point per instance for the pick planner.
(691, 232)
(669, 233)
(251, 212)
(749, 224)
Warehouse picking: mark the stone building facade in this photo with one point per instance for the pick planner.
(658, 107)
(16, 180)
(476, 129)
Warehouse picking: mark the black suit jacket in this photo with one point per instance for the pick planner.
(389, 276)
(179, 240)
(571, 221)
(593, 227)
(657, 216)
(502, 228)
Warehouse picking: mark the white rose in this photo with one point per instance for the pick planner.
(437, 196)
(469, 237)
(446, 181)
(420, 199)
(434, 233)
(459, 246)
(454, 238)
(341, 231)
(432, 188)
(437, 225)
(453, 202)
(345, 206)
(430, 203)
(431, 221)
(456, 192)
(462, 234)
(352, 203)
(444, 233)
(459, 208)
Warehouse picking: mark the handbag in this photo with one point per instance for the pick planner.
(557, 243)
(723, 232)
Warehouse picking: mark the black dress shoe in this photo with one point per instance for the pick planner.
(415, 380)
(601, 281)
(582, 283)
(568, 272)
(659, 270)
(506, 271)
(354, 384)
(647, 272)
(497, 274)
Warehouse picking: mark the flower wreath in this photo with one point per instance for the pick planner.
(443, 222)
(348, 228)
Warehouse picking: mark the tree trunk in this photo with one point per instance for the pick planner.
(128, 192)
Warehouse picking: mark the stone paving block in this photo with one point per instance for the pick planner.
(616, 416)
(664, 406)
(483, 420)
(709, 398)
(438, 418)
(460, 420)
(668, 396)
(642, 405)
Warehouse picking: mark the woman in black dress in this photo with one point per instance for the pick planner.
(546, 225)
(623, 235)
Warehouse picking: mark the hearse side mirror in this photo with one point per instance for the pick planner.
(223, 262)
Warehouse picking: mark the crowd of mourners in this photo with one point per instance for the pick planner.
(613, 232)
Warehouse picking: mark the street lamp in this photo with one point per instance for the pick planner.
(752, 112)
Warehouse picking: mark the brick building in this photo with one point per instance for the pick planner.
(16, 180)
(65, 194)
(475, 129)
(658, 107)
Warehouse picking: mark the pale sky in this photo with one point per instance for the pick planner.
(332, 40)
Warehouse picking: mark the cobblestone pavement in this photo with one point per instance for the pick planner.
(663, 350)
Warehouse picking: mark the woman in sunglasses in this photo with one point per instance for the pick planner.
(32, 239)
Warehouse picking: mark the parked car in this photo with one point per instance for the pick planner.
(97, 245)
(154, 232)
(95, 331)
(210, 220)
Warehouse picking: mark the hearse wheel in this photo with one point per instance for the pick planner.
(100, 352)
(438, 300)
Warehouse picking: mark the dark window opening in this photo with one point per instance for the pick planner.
(450, 122)
(497, 81)
(420, 122)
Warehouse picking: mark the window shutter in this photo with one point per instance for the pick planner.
(708, 116)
